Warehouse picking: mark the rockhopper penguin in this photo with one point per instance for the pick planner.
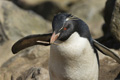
(73, 54)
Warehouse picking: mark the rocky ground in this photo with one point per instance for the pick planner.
(19, 18)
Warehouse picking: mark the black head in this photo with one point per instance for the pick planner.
(65, 24)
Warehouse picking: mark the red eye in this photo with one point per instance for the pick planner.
(65, 28)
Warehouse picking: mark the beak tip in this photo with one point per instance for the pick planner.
(54, 38)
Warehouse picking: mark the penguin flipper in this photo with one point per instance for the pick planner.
(106, 51)
(42, 39)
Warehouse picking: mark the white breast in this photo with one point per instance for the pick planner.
(73, 59)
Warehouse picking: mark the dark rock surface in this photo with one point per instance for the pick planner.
(45, 8)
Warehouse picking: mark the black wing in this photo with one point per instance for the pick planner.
(42, 39)
(106, 51)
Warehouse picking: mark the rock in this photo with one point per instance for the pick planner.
(3, 36)
(115, 21)
(90, 11)
(20, 65)
(5, 76)
(5, 52)
(18, 23)
(33, 73)
(36, 54)
(108, 69)
(47, 9)
(63, 4)
(108, 66)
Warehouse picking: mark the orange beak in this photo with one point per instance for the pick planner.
(54, 37)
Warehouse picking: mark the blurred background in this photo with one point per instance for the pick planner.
(20, 18)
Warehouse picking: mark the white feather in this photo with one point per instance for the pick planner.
(73, 59)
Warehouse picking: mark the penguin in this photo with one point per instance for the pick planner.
(73, 52)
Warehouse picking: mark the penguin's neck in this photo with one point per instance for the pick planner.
(75, 47)
(73, 59)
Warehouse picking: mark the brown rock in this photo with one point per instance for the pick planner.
(33, 73)
(32, 56)
(5, 76)
(20, 66)
(18, 23)
(5, 52)
(63, 4)
(109, 69)
(91, 12)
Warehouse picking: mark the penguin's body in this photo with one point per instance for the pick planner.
(73, 54)
(73, 59)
